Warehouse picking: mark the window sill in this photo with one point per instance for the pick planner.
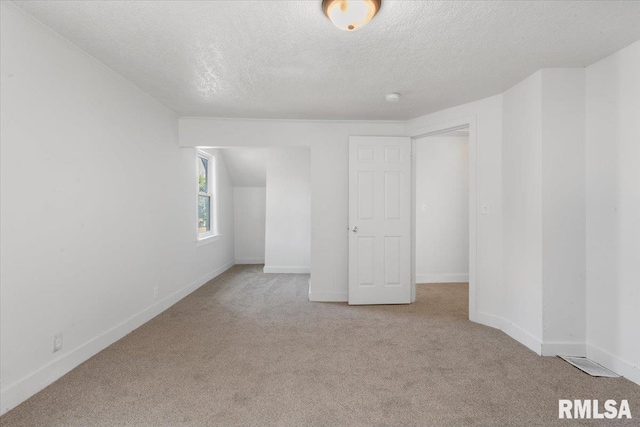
(207, 239)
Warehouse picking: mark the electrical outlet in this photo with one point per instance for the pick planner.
(57, 342)
(155, 293)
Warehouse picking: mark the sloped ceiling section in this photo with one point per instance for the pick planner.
(247, 166)
(285, 59)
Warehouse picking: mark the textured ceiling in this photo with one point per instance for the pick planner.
(284, 59)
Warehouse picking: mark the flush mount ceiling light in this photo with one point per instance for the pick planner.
(349, 15)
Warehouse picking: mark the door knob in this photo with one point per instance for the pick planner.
(355, 229)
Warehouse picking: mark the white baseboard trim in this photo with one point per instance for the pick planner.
(16, 393)
(242, 261)
(328, 296)
(488, 320)
(614, 363)
(525, 338)
(522, 336)
(564, 349)
(286, 270)
(511, 329)
(442, 278)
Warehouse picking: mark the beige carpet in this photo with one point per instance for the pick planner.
(249, 349)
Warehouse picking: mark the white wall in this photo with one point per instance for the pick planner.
(80, 135)
(442, 209)
(486, 114)
(250, 208)
(613, 212)
(563, 172)
(544, 211)
(288, 214)
(522, 210)
(98, 208)
(329, 142)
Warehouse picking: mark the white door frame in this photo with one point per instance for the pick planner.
(432, 130)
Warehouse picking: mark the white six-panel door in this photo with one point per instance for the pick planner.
(379, 220)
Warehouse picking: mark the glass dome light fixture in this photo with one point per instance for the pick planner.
(350, 15)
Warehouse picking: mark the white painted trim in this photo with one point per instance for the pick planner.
(257, 119)
(614, 363)
(212, 192)
(564, 349)
(514, 331)
(436, 129)
(525, 338)
(241, 261)
(522, 336)
(328, 296)
(487, 320)
(442, 278)
(21, 390)
(208, 239)
(414, 195)
(443, 127)
(286, 269)
(604, 358)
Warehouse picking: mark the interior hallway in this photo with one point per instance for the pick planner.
(249, 349)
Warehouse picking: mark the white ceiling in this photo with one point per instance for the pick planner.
(247, 166)
(284, 59)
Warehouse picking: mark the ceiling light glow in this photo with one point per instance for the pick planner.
(392, 97)
(350, 15)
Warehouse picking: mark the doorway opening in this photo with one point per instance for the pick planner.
(442, 218)
(444, 213)
(267, 205)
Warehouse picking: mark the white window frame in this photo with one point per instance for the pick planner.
(213, 234)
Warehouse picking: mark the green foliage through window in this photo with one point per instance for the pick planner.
(204, 219)
(204, 195)
(203, 174)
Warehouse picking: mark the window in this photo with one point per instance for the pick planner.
(206, 195)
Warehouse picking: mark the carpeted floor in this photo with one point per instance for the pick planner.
(249, 349)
